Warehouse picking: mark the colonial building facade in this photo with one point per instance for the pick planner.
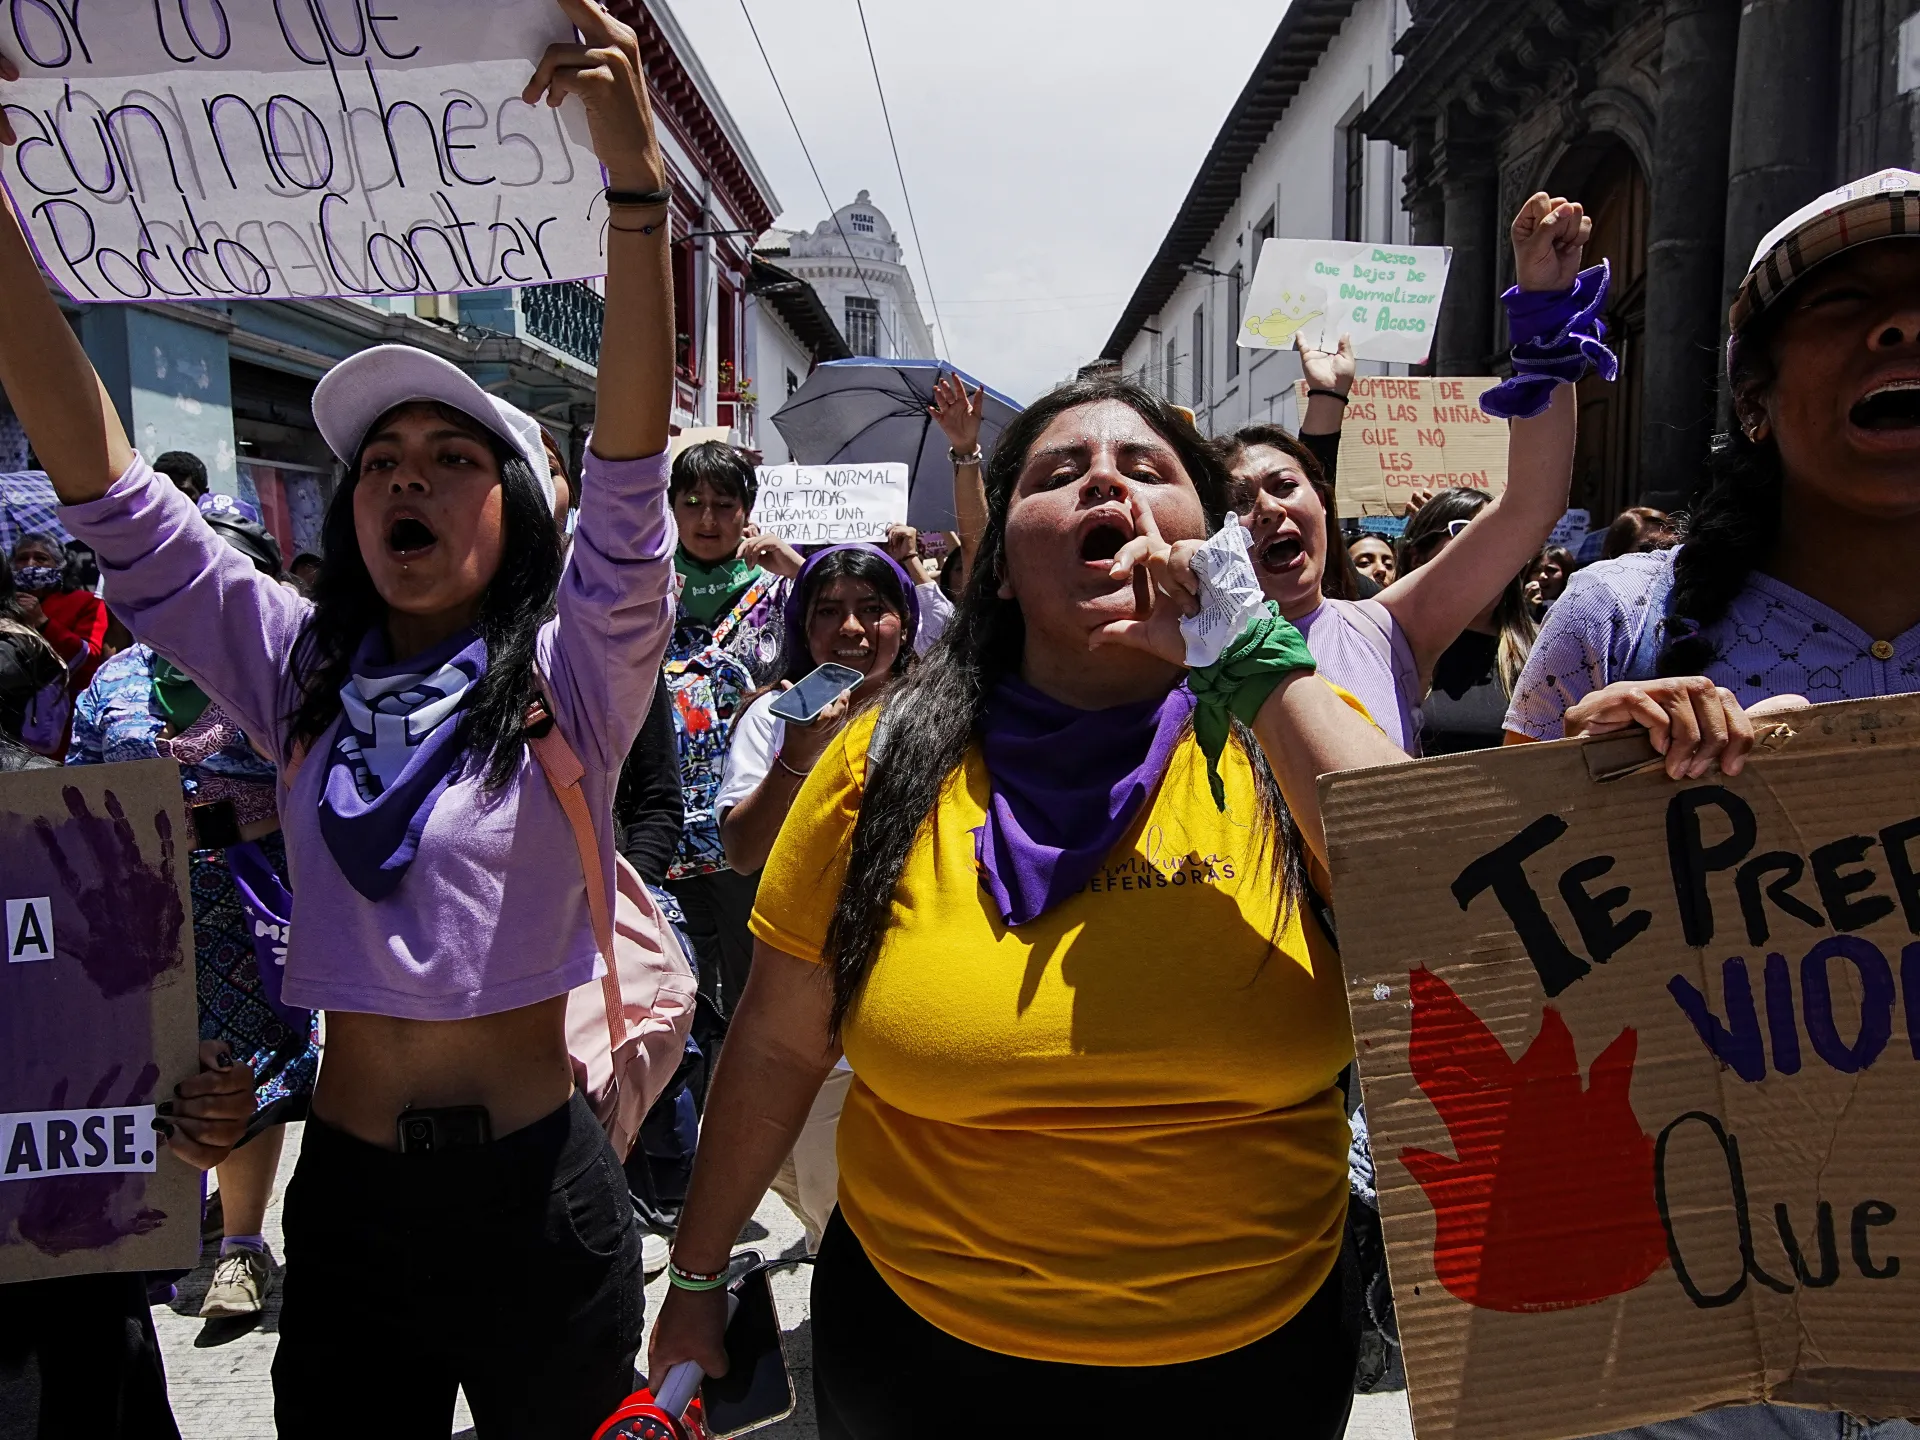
(1687, 128)
(854, 261)
(1290, 160)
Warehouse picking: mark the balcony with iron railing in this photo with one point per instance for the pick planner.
(565, 318)
(568, 316)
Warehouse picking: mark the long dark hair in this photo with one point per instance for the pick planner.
(1339, 576)
(1513, 620)
(870, 568)
(932, 716)
(514, 605)
(1734, 522)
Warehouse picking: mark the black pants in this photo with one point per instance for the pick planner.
(79, 1356)
(880, 1372)
(511, 1270)
(717, 907)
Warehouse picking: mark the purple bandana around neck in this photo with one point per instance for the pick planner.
(373, 830)
(1064, 786)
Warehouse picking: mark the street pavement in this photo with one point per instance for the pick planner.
(219, 1372)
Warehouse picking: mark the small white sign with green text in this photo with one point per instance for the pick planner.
(1387, 297)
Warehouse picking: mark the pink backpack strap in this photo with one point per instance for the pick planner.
(564, 771)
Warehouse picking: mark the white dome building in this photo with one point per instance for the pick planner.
(853, 262)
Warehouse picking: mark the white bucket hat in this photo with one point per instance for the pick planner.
(363, 387)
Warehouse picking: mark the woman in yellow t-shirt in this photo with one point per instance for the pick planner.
(1094, 1157)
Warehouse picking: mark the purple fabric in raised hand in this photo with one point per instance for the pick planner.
(1558, 336)
(1065, 785)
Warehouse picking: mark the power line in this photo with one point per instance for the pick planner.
(926, 270)
(833, 210)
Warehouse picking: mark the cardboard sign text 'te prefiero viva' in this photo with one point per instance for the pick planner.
(1641, 1064)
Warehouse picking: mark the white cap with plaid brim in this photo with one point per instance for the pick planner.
(1872, 208)
(360, 389)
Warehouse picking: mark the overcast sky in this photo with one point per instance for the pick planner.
(1047, 144)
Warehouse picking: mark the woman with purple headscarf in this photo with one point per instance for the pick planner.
(852, 605)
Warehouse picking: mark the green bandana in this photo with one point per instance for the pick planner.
(1239, 682)
(179, 699)
(710, 589)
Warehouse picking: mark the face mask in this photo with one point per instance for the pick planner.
(36, 577)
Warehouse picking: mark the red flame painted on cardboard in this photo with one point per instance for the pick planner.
(1550, 1203)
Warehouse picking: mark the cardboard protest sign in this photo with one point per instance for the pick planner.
(211, 149)
(97, 1021)
(830, 504)
(1640, 1062)
(1387, 297)
(1405, 435)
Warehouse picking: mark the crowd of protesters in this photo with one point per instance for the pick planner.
(932, 952)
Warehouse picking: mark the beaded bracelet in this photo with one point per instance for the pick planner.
(683, 1279)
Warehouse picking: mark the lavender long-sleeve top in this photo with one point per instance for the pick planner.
(492, 914)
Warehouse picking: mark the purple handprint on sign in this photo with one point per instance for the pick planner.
(125, 917)
(91, 1212)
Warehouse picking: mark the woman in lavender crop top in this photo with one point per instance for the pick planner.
(457, 1214)
(1384, 649)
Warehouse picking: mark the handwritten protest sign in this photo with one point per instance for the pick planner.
(97, 1021)
(1640, 1061)
(1387, 297)
(1404, 436)
(1571, 528)
(211, 149)
(830, 504)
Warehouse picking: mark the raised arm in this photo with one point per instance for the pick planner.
(175, 583)
(960, 415)
(615, 603)
(1440, 599)
(47, 376)
(635, 385)
(1329, 376)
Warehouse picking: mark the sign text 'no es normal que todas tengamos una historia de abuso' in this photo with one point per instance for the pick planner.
(830, 504)
(1640, 1061)
(268, 149)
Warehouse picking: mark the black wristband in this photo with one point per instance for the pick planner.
(637, 198)
(1330, 394)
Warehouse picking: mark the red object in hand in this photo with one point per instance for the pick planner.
(638, 1418)
(1550, 1203)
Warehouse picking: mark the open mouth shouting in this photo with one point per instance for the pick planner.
(1281, 555)
(1892, 405)
(1103, 535)
(409, 537)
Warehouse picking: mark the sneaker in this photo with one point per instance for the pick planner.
(654, 1254)
(240, 1284)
